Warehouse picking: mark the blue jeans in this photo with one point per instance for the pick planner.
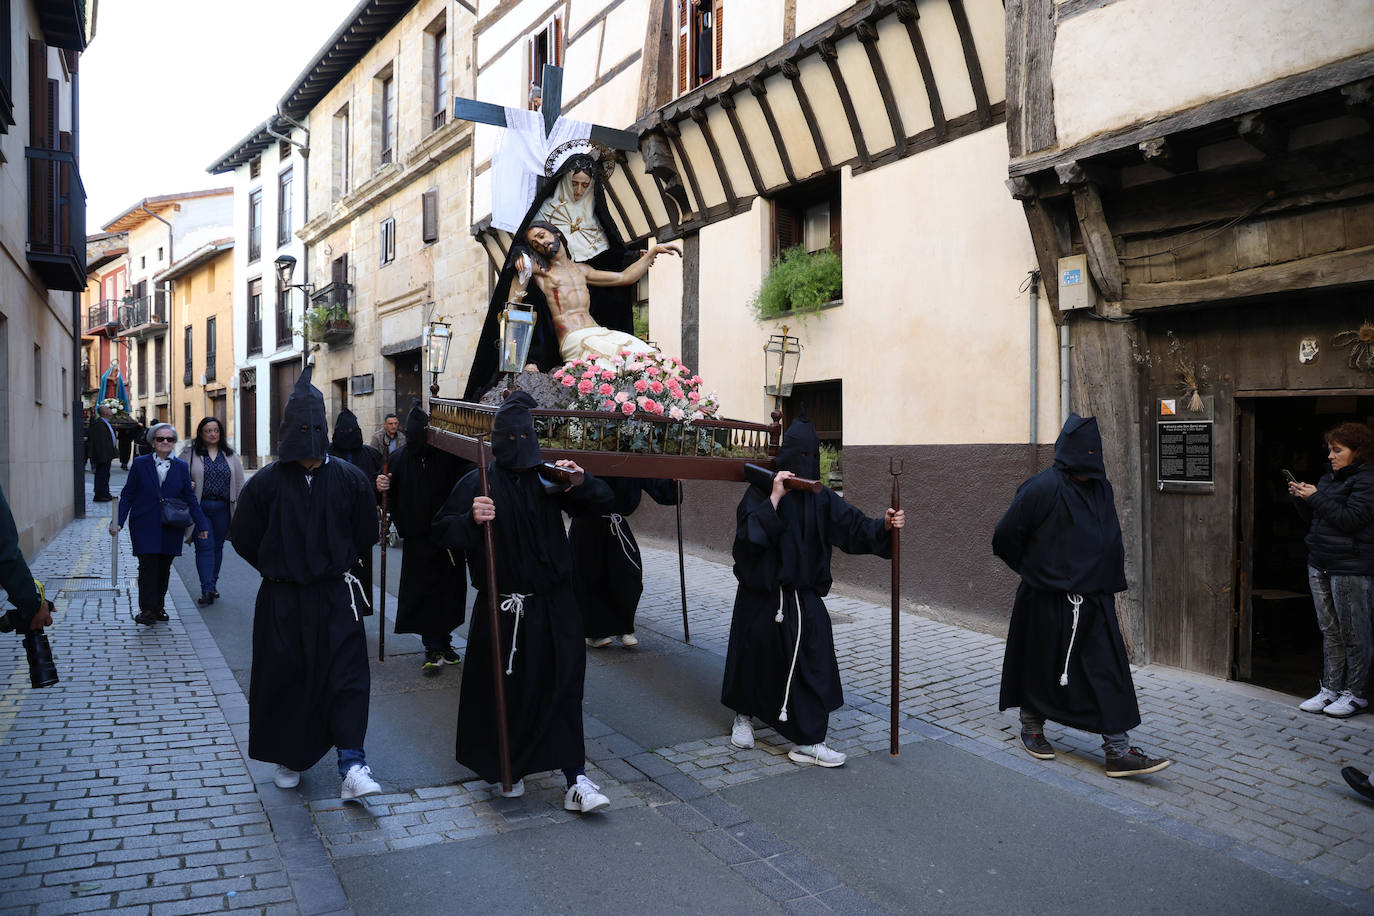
(1343, 617)
(349, 757)
(210, 551)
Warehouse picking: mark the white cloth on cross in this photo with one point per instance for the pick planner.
(518, 163)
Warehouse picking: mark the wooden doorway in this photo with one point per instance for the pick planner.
(408, 381)
(248, 418)
(284, 375)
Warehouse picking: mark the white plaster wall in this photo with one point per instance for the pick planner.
(811, 13)
(752, 30)
(1134, 60)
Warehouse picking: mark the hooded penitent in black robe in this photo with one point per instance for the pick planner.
(782, 562)
(542, 653)
(608, 575)
(433, 594)
(347, 445)
(1062, 537)
(611, 306)
(304, 531)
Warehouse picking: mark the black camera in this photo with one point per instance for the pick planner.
(42, 669)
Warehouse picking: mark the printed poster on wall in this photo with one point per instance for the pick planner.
(1184, 451)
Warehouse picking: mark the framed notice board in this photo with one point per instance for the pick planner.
(1184, 455)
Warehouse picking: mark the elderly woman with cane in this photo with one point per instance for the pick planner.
(159, 503)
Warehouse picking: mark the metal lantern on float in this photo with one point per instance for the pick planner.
(517, 333)
(440, 336)
(781, 355)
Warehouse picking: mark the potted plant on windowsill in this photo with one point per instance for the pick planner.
(801, 282)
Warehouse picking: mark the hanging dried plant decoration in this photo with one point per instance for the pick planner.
(1189, 377)
(1361, 344)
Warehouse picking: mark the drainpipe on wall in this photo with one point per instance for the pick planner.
(79, 475)
(1065, 354)
(1033, 299)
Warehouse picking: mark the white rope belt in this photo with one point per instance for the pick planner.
(353, 583)
(514, 604)
(618, 529)
(1075, 600)
(796, 650)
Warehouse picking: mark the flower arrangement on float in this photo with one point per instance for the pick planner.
(632, 382)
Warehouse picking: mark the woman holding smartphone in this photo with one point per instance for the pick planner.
(1340, 561)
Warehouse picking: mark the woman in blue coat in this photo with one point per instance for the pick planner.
(153, 478)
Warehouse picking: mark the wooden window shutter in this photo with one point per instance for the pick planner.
(429, 204)
(557, 50)
(836, 220)
(682, 19)
(38, 89)
(784, 228)
(339, 270)
(54, 87)
(718, 25)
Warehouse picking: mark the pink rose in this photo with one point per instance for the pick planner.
(627, 408)
(622, 396)
(693, 396)
(590, 373)
(641, 386)
(568, 381)
(675, 413)
(608, 405)
(585, 386)
(642, 401)
(652, 372)
(607, 374)
(605, 390)
(656, 387)
(674, 388)
(696, 380)
(658, 409)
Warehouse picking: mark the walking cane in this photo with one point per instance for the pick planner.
(894, 467)
(502, 735)
(682, 568)
(381, 611)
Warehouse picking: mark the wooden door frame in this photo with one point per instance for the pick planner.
(1242, 647)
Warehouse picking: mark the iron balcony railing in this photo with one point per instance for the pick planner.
(104, 316)
(254, 336)
(135, 314)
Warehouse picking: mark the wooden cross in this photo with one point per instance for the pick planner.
(550, 107)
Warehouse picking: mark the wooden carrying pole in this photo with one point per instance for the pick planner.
(682, 567)
(381, 603)
(894, 467)
(494, 616)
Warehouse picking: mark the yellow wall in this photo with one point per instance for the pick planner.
(206, 291)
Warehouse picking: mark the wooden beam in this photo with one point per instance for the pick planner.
(867, 34)
(1262, 133)
(1334, 269)
(1359, 99)
(975, 67)
(1039, 81)
(793, 74)
(703, 121)
(1168, 154)
(1014, 38)
(639, 195)
(615, 200)
(727, 101)
(674, 134)
(1103, 260)
(908, 14)
(1048, 251)
(760, 92)
(656, 73)
(658, 162)
(831, 55)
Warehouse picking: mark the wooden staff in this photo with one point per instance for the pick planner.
(762, 477)
(894, 467)
(381, 605)
(494, 615)
(682, 567)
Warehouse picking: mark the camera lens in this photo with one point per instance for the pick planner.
(42, 669)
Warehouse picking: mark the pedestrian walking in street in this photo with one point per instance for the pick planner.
(1340, 567)
(302, 522)
(32, 611)
(780, 665)
(1065, 659)
(432, 599)
(546, 661)
(102, 446)
(158, 503)
(390, 437)
(608, 573)
(217, 478)
(347, 445)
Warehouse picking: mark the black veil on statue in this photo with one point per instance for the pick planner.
(611, 306)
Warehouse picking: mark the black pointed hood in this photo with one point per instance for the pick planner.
(1078, 450)
(348, 435)
(415, 423)
(800, 450)
(513, 443)
(304, 430)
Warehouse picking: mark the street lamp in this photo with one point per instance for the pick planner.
(440, 336)
(285, 266)
(781, 355)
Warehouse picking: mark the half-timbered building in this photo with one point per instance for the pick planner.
(1198, 179)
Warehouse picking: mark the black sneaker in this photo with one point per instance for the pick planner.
(161, 615)
(434, 660)
(147, 618)
(1037, 746)
(450, 656)
(1135, 762)
(1358, 781)
(205, 600)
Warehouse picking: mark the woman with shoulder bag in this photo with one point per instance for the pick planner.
(216, 478)
(158, 503)
(1340, 567)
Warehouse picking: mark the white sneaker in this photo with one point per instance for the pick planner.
(358, 782)
(601, 643)
(583, 796)
(742, 734)
(818, 754)
(517, 789)
(1319, 702)
(286, 778)
(1346, 705)
(629, 640)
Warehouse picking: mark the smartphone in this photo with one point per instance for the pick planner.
(1288, 475)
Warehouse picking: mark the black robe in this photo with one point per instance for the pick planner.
(368, 460)
(782, 560)
(608, 575)
(541, 633)
(432, 597)
(611, 306)
(1062, 536)
(310, 680)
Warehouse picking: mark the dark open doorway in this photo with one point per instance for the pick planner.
(1277, 642)
(408, 381)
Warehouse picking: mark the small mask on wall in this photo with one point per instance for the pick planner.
(1307, 350)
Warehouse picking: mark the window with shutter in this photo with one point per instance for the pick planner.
(682, 73)
(719, 29)
(6, 92)
(429, 205)
(544, 46)
(338, 270)
(388, 245)
(38, 88)
(808, 215)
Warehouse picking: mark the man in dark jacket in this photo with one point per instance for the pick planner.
(103, 445)
(347, 445)
(1065, 659)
